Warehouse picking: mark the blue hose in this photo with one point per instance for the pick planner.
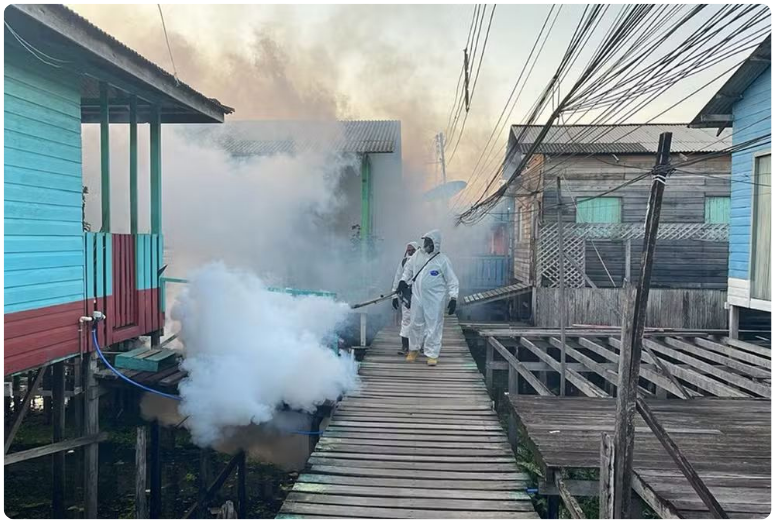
(164, 394)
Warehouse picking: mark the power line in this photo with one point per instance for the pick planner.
(169, 49)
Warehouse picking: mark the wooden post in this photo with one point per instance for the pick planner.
(686, 467)
(734, 322)
(141, 505)
(627, 259)
(91, 427)
(58, 472)
(156, 170)
(633, 325)
(364, 338)
(155, 511)
(133, 164)
(204, 478)
(561, 267)
(32, 388)
(105, 156)
(606, 498)
(513, 392)
(488, 367)
(573, 507)
(242, 493)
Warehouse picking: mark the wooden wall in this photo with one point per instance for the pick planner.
(527, 208)
(677, 308)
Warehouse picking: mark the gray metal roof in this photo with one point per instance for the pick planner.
(617, 139)
(249, 138)
(54, 24)
(732, 91)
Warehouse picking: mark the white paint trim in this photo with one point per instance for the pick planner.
(761, 305)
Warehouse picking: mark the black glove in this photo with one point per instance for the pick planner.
(395, 303)
(452, 306)
(402, 287)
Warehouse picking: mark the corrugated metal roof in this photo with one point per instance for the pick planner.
(42, 12)
(733, 89)
(618, 139)
(249, 138)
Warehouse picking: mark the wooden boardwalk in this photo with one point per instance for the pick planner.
(415, 442)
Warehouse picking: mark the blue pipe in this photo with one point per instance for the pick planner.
(164, 394)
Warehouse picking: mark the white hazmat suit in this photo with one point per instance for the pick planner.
(405, 314)
(435, 284)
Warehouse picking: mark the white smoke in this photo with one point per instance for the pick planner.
(250, 352)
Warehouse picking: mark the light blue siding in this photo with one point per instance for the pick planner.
(751, 119)
(43, 247)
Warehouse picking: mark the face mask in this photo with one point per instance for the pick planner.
(427, 245)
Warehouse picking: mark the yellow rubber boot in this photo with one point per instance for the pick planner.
(412, 356)
(432, 362)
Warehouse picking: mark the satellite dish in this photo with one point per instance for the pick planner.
(444, 191)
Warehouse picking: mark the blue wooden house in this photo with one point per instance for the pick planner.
(744, 103)
(61, 72)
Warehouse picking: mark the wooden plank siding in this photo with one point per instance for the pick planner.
(674, 308)
(526, 214)
(43, 245)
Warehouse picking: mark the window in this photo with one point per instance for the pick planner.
(599, 210)
(717, 209)
(760, 232)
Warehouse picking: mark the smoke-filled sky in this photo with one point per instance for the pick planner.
(356, 62)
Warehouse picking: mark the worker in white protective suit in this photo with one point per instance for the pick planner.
(411, 248)
(434, 281)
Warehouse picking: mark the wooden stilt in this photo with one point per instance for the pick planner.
(92, 427)
(58, 418)
(141, 505)
(155, 511)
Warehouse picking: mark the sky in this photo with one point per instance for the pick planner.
(358, 62)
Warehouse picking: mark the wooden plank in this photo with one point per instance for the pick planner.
(695, 378)
(415, 473)
(570, 502)
(686, 467)
(756, 363)
(606, 496)
(53, 448)
(414, 492)
(370, 462)
(490, 487)
(141, 504)
(539, 387)
(645, 372)
(750, 347)
(712, 370)
(662, 507)
(313, 509)
(32, 389)
(584, 385)
(441, 503)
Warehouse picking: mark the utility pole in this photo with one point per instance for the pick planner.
(633, 326)
(440, 142)
(561, 264)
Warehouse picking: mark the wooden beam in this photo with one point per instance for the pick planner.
(141, 504)
(607, 458)
(214, 486)
(686, 467)
(133, 165)
(17, 421)
(513, 391)
(663, 368)
(633, 327)
(756, 364)
(692, 376)
(91, 467)
(105, 156)
(156, 172)
(750, 347)
(573, 507)
(581, 383)
(563, 302)
(741, 381)
(58, 508)
(645, 372)
(713, 370)
(155, 508)
(488, 371)
(539, 387)
(662, 507)
(53, 448)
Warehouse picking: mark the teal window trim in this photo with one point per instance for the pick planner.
(717, 209)
(599, 210)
